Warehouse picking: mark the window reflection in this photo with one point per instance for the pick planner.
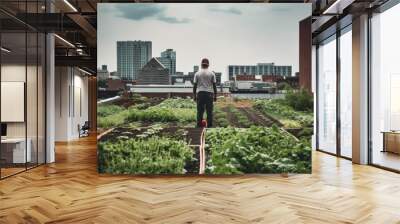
(346, 94)
(385, 89)
(327, 96)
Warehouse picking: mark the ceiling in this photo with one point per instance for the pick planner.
(75, 21)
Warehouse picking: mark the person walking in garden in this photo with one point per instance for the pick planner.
(205, 92)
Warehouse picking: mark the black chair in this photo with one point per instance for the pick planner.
(84, 130)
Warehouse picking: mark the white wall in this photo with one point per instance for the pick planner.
(61, 103)
(33, 126)
(71, 102)
(12, 73)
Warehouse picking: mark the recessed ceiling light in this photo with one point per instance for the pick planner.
(5, 50)
(64, 40)
(331, 7)
(70, 5)
(86, 72)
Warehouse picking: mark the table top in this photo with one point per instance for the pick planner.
(391, 132)
(13, 140)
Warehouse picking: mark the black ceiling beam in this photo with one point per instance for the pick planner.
(49, 22)
(78, 61)
(202, 1)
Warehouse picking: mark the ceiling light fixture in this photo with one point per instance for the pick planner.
(332, 7)
(64, 40)
(70, 5)
(5, 50)
(86, 72)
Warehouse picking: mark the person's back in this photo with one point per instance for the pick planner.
(205, 92)
(204, 79)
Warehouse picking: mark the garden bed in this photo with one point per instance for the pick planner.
(160, 138)
(191, 137)
(255, 150)
(231, 118)
(257, 118)
(127, 101)
(285, 114)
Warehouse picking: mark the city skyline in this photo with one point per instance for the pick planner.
(252, 33)
(100, 68)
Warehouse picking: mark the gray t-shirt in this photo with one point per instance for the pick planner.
(205, 79)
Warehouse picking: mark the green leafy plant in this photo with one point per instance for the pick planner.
(169, 110)
(154, 155)
(177, 103)
(283, 86)
(137, 98)
(178, 110)
(242, 119)
(300, 100)
(284, 113)
(256, 150)
(113, 120)
(108, 109)
(220, 117)
(156, 114)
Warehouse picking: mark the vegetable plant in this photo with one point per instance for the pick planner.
(108, 109)
(242, 119)
(256, 150)
(220, 117)
(154, 155)
(284, 113)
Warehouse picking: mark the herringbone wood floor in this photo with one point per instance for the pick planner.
(71, 191)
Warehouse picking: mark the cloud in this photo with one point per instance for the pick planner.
(146, 11)
(230, 10)
(169, 19)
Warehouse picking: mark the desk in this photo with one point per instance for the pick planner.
(391, 141)
(13, 150)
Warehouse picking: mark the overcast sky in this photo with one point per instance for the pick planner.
(225, 33)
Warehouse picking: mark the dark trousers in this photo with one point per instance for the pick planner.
(205, 102)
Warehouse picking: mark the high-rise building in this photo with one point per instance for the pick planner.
(168, 59)
(131, 57)
(283, 70)
(153, 73)
(259, 69)
(265, 69)
(103, 73)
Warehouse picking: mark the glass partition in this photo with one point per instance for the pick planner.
(327, 95)
(31, 97)
(346, 93)
(41, 97)
(14, 153)
(22, 95)
(385, 89)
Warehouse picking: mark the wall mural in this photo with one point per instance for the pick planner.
(202, 89)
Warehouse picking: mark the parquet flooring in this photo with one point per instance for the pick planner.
(71, 191)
